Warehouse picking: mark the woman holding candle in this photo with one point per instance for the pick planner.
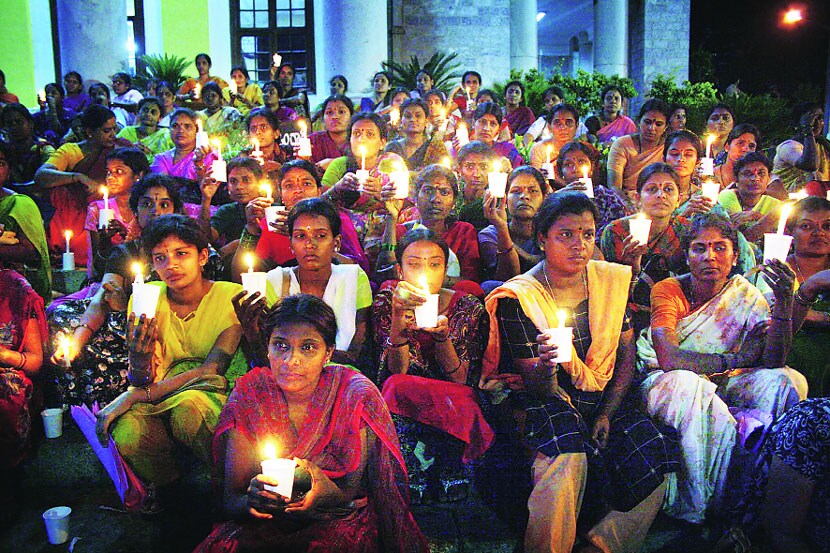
(190, 91)
(53, 120)
(148, 136)
(422, 368)
(22, 240)
(719, 124)
(518, 116)
(742, 139)
(264, 132)
(707, 324)
(486, 127)
(314, 231)
(614, 123)
(805, 157)
(181, 360)
(748, 205)
(682, 152)
(335, 421)
(106, 229)
(297, 180)
(247, 95)
(380, 97)
(331, 143)
(21, 357)
(416, 147)
(74, 175)
(563, 120)
(218, 118)
(436, 189)
(632, 153)
(577, 415)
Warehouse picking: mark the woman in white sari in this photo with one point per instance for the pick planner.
(709, 327)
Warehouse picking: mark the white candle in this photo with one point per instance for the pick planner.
(145, 299)
(401, 179)
(139, 276)
(68, 235)
(304, 143)
(462, 135)
(232, 86)
(777, 246)
(202, 139)
(106, 214)
(562, 337)
(786, 209)
(271, 216)
(394, 116)
(362, 151)
(426, 314)
(280, 469)
(639, 227)
(253, 281)
(41, 95)
(65, 346)
(497, 181)
(587, 181)
(197, 91)
(266, 190)
(710, 189)
(68, 261)
(219, 167)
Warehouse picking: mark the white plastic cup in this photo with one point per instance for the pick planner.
(589, 186)
(57, 524)
(304, 149)
(426, 314)
(271, 215)
(219, 170)
(547, 170)
(362, 177)
(777, 246)
(562, 338)
(104, 217)
(710, 189)
(707, 166)
(497, 183)
(254, 281)
(202, 140)
(401, 181)
(53, 422)
(639, 229)
(69, 261)
(462, 135)
(145, 299)
(283, 471)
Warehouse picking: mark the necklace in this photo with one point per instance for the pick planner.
(550, 288)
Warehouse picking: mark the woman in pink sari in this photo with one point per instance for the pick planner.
(334, 421)
(614, 122)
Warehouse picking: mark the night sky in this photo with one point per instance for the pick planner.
(749, 45)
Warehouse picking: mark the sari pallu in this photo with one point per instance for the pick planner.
(703, 413)
(18, 305)
(18, 211)
(344, 403)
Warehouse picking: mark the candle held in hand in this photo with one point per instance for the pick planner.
(139, 276)
(65, 346)
(786, 209)
(280, 469)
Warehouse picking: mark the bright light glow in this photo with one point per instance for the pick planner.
(792, 16)
(540, 16)
(131, 46)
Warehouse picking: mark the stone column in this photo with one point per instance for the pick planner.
(93, 37)
(611, 37)
(350, 38)
(524, 49)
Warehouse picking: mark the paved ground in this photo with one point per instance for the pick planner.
(66, 472)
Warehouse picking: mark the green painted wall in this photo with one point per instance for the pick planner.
(16, 50)
(185, 29)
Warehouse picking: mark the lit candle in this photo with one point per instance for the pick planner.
(561, 315)
(400, 177)
(394, 116)
(561, 336)
(462, 135)
(426, 314)
(549, 151)
(639, 227)
(362, 174)
(232, 86)
(277, 59)
(469, 97)
(145, 299)
(362, 150)
(547, 166)
(253, 281)
(710, 189)
(709, 139)
(137, 271)
(197, 91)
(68, 235)
(304, 143)
(497, 181)
(106, 214)
(282, 470)
(202, 139)
(41, 95)
(786, 209)
(707, 164)
(219, 167)
(65, 346)
(447, 162)
(266, 190)
(257, 153)
(68, 256)
(587, 181)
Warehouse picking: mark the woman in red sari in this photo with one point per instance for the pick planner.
(335, 422)
(22, 332)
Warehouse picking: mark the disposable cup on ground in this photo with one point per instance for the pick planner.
(52, 422)
(57, 524)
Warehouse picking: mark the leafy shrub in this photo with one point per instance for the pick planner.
(165, 67)
(442, 66)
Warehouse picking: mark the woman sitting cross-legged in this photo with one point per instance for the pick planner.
(706, 327)
(181, 361)
(425, 369)
(596, 457)
(314, 233)
(335, 422)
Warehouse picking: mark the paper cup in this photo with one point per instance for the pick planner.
(219, 170)
(562, 338)
(69, 261)
(776, 246)
(145, 299)
(711, 190)
(104, 217)
(426, 314)
(707, 166)
(304, 149)
(639, 229)
(283, 471)
(497, 183)
(53, 422)
(589, 186)
(254, 282)
(57, 524)
(362, 177)
(271, 215)
(547, 170)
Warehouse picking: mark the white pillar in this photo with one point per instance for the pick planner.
(351, 39)
(93, 37)
(611, 37)
(524, 49)
(44, 57)
(219, 30)
(153, 36)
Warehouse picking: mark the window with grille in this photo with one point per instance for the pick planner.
(261, 28)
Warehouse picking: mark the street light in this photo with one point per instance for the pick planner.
(794, 16)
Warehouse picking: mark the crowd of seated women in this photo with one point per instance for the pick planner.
(686, 348)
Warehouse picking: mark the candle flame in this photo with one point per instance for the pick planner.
(447, 162)
(269, 450)
(265, 189)
(67, 234)
(137, 269)
(786, 209)
(198, 125)
(361, 150)
(104, 191)
(255, 142)
(585, 171)
(792, 16)
(303, 126)
(249, 260)
(561, 315)
(423, 284)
